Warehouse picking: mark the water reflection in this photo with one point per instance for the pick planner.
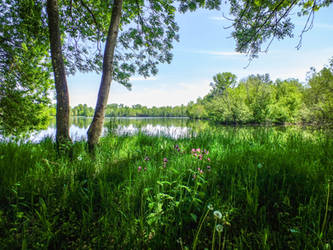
(170, 127)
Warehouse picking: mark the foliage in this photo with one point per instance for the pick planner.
(256, 99)
(266, 188)
(319, 95)
(24, 68)
(257, 23)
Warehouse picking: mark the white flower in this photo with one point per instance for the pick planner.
(219, 228)
(210, 207)
(217, 214)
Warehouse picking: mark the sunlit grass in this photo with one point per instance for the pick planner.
(270, 186)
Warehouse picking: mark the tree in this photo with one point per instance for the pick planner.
(222, 81)
(63, 108)
(319, 97)
(257, 23)
(145, 46)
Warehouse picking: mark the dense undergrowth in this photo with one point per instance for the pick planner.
(244, 188)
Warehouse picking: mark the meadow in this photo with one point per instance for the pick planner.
(230, 188)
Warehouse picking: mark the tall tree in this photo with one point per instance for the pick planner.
(148, 29)
(95, 129)
(62, 116)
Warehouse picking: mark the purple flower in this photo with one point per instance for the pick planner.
(146, 158)
(139, 168)
(165, 159)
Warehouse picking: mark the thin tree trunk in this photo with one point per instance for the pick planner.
(62, 116)
(95, 129)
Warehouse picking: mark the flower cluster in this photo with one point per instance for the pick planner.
(200, 154)
(140, 168)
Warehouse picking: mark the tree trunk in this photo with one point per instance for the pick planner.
(95, 129)
(62, 116)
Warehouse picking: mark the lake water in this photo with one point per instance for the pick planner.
(155, 126)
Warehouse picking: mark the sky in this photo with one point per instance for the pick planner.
(205, 49)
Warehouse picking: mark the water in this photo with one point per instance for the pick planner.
(154, 126)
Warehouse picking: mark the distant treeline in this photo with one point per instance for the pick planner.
(120, 110)
(255, 99)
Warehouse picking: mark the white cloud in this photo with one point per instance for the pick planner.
(174, 94)
(141, 78)
(219, 53)
(218, 18)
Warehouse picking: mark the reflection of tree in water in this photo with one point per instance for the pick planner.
(81, 122)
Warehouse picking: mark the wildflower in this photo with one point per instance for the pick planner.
(208, 159)
(201, 171)
(200, 157)
(193, 150)
(195, 155)
(217, 214)
(198, 149)
(207, 152)
(145, 169)
(219, 228)
(146, 158)
(208, 168)
(139, 168)
(165, 159)
(210, 207)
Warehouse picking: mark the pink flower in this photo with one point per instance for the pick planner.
(145, 169)
(198, 149)
(195, 155)
(165, 160)
(208, 167)
(193, 150)
(208, 159)
(201, 171)
(139, 168)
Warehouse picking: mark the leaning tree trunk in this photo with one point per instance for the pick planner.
(95, 129)
(62, 116)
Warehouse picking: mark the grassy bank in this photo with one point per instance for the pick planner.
(259, 188)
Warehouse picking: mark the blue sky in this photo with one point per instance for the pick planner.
(205, 49)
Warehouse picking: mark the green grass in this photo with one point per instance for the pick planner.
(273, 188)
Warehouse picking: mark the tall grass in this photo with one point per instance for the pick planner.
(271, 187)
